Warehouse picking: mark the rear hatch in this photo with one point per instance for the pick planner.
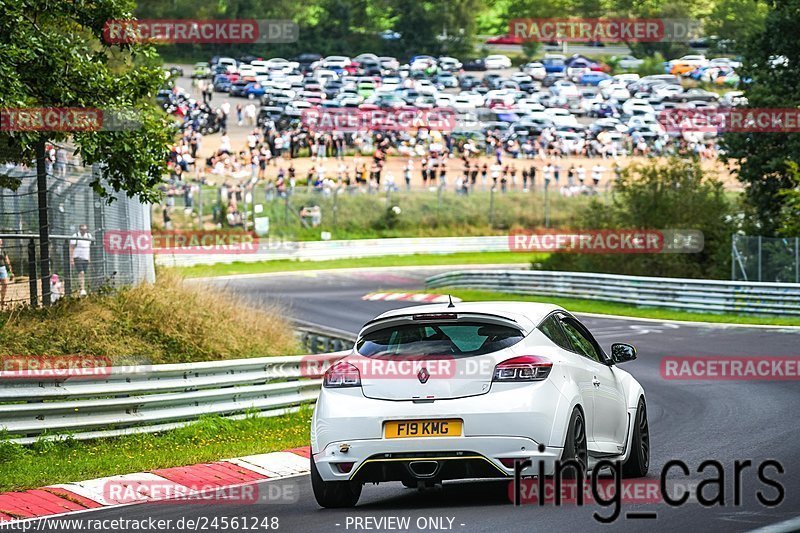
(433, 356)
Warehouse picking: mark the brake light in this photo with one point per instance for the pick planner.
(340, 375)
(435, 316)
(523, 368)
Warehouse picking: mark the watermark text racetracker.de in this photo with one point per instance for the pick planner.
(67, 119)
(730, 120)
(731, 368)
(612, 30)
(351, 120)
(135, 242)
(607, 241)
(151, 523)
(232, 31)
(44, 367)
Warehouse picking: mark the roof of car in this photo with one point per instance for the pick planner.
(532, 311)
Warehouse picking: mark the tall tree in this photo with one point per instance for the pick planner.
(766, 163)
(52, 55)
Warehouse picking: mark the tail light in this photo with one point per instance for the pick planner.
(523, 368)
(340, 375)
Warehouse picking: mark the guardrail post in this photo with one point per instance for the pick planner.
(759, 258)
(67, 271)
(32, 273)
(312, 344)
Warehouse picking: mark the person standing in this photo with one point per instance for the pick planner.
(407, 173)
(6, 274)
(80, 254)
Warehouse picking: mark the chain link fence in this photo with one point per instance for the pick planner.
(772, 259)
(78, 219)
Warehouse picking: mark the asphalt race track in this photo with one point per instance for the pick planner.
(689, 421)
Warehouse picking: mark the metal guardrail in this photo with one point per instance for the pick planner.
(319, 339)
(675, 293)
(273, 249)
(123, 400)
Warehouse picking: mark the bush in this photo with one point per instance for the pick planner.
(675, 194)
(168, 322)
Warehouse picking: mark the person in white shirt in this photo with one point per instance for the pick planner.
(80, 254)
(597, 173)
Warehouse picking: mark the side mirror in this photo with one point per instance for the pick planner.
(622, 353)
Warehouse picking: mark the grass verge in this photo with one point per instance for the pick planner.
(467, 258)
(609, 308)
(167, 322)
(210, 439)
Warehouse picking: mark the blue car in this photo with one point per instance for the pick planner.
(593, 78)
(253, 90)
(554, 65)
(222, 84)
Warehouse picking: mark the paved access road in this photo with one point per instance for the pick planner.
(689, 421)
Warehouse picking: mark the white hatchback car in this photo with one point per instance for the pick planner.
(495, 62)
(435, 392)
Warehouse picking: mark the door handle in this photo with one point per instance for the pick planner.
(596, 382)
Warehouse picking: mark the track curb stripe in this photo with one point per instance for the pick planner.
(408, 297)
(81, 496)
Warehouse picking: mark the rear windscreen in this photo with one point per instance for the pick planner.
(454, 339)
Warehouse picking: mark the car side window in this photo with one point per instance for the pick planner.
(552, 330)
(580, 343)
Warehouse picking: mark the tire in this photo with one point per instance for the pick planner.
(334, 494)
(575, 447)
(638, 461)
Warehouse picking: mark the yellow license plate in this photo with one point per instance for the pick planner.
(401, 429)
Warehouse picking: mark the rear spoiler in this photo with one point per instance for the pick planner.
(446, 317)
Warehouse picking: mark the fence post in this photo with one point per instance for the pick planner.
(733, 258)
(759, 258)
(44, 225)
(32, 273)
(67, 271)
(797, 259)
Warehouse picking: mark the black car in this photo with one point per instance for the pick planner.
(493, 80)
(474, 65)
(268, 113)
(370, 67)
(693, 95)
(306, 60)
(237, 88)
(528, 86)
(468, 81)
(552, 78)
(332, 88)
(247, 59)
(164, 97)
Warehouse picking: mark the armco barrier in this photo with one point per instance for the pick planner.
(676, 293)
(154, 398)
(271, 250)
(319, 339)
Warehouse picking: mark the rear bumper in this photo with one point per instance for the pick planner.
(437, 458)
